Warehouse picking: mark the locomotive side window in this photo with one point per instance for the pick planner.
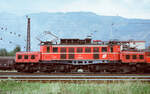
(127, 56)
(63, 56)
(55, 49)
(32, 56)
(71, 56)
(71, 50)
(104, 49)
(96, 56)
(95, 49)
(111, 49)
(26, 57)
(141, 56)
(88, 50)
(63, 50)
(19, 56)
(133, 56)
(79, 50)
(48, 49)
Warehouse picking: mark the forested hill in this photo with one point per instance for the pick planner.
(69, 25)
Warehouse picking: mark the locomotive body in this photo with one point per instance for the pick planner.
(99, 53)
(72, 55)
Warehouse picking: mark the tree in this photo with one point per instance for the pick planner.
(17, 49)
(3, 52)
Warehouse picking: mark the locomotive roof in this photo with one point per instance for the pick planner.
(84, 42)
(92, 45)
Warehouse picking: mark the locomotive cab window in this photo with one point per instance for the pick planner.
(141, 56)
(134, 57)
(88, 50)
(26, 57)
(79, 50)
(32, 56)
(48, 49)
(19, 56)
(104, 49)
(55, 49)
(127, 56)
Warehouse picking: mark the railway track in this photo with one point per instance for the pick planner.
(67, 77)
(73, 77)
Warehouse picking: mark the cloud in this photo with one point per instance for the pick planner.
(125, 8)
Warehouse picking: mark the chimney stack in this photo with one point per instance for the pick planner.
(28, 35)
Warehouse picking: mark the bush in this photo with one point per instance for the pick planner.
(4, 52)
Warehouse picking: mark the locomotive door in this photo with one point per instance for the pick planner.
(95, 53)
(71, 53)
(63, 53)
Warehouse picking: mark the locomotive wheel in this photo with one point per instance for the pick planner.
(92, 68)
(81, 69)
(19, 67)
(96, 68)
(126, 69)
(61, 68)
(30, 68)
(46, 68)
(140, 68)
(113, 69)
(42, 69)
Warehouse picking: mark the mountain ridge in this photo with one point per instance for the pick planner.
(70, 25)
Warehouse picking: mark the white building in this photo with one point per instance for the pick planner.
(139, 45)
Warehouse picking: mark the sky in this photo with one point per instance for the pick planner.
(124, 8)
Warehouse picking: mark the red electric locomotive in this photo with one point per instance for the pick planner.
(76, 55)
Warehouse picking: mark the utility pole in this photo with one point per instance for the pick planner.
(111, 31)
(28, 35)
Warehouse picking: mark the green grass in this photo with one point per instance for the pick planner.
(16, 87)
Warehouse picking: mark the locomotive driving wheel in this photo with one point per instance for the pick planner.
(19, 67)
(30, 68)
(62, 68)
(46, 68)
